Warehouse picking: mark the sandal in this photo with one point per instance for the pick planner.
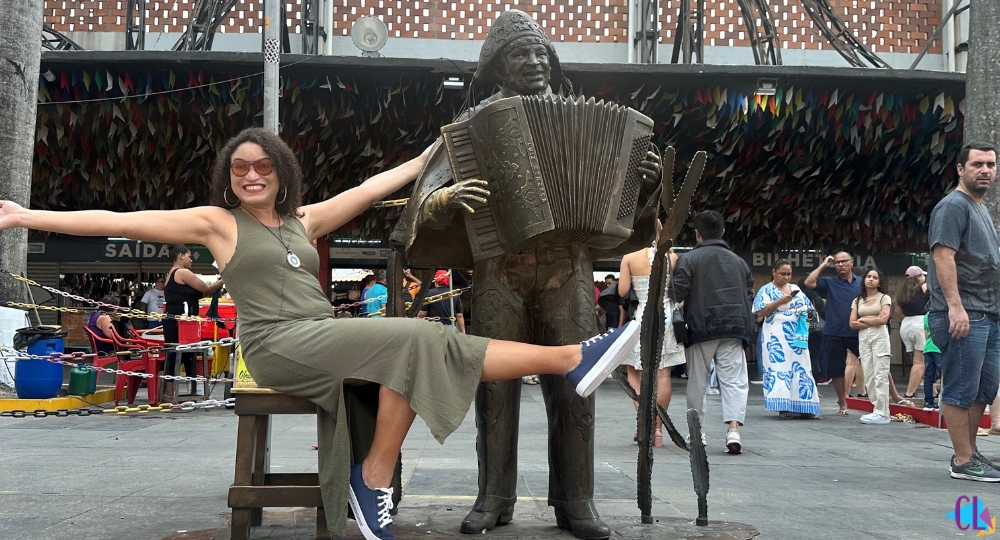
(994, 431)
(785, 415)
(910, 396)
(842, 412)
(982, 432)
(809, 416)
(861, 395)
(904, 403)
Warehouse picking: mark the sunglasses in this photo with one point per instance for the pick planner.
(241, 167)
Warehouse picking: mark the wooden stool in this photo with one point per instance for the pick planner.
(254, 486)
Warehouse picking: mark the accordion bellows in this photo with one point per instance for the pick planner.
(561, 171)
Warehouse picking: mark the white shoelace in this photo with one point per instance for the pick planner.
(384, 501)
(595, 339)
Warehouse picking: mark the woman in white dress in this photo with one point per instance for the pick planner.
(789, 386)
(634, 274)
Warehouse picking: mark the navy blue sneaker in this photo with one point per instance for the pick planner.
(370, 507)
(601, 355)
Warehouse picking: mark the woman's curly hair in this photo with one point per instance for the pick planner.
(287, 167)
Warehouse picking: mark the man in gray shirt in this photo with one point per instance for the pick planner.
(964, 310)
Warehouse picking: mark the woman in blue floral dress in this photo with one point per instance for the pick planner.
(789, 386)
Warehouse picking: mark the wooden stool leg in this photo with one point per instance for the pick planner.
(245, 439)
(240, 529)
(322, 532)
(261, 433)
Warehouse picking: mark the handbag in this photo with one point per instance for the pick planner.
(816, 322)
(679, 325)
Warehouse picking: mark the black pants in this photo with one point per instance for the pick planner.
(176, 359)
(817, 355)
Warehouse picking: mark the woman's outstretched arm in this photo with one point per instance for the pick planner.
(187, 226)
(325, 217)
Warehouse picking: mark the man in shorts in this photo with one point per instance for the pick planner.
(838, 337)
(964, 311)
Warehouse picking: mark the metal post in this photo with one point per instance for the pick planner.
(328, 35)
(273, 24)
(451, 287)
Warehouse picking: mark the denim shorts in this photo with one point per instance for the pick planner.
(970, 367)
(836, 354)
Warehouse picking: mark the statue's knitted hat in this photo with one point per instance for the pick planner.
(514, 28)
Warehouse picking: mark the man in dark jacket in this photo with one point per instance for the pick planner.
(716, 287)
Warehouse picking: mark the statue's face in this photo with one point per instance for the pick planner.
(526, 69)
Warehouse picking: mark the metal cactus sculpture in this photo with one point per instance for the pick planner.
(654, 321)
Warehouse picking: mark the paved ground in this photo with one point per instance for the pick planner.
(166, 476)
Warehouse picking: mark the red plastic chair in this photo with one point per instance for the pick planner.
(101, 361)
(147, 362)
(125, 362)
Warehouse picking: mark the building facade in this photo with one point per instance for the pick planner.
(589, 31)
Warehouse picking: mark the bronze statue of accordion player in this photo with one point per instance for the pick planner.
(528, 188)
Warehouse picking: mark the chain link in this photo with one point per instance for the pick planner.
(118, 310)
(429, 300)
(186, 406)
(56, 358)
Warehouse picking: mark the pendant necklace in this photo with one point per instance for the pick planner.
(293, 259)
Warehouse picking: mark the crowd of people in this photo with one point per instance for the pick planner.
(805, 336)
(286, 341)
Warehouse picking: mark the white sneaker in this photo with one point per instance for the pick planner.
(712, 391)
(687, 439)
(733, 444)
(875, 419)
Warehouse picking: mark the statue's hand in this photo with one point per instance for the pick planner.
(651, 169)
(462, 194)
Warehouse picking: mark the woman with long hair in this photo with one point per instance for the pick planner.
(634, 275)
(911, 305)
(182, 294)
(259, 232)
(870, 317)
(789, 385)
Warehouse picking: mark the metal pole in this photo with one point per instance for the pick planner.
(272, 59)
(632, 31)
(451, 287)
(273, 23)
(328, 42)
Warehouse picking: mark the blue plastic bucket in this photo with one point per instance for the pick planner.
(39, 379)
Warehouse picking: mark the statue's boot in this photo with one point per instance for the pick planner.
(582, 519)
(478, 522)
(496, 447)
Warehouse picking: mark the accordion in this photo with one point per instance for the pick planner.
(560, 171)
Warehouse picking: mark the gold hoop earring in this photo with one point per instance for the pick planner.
(225, 197)
(284, 197)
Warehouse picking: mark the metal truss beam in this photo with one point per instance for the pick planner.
(56, 41)
(135, 25)
(839, 36)
(955, 10)
(689, 39)
(764, 39)
(312, 31)
(206, 16)
(647, 35)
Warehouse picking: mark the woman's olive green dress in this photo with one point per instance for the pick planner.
(292, 343)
